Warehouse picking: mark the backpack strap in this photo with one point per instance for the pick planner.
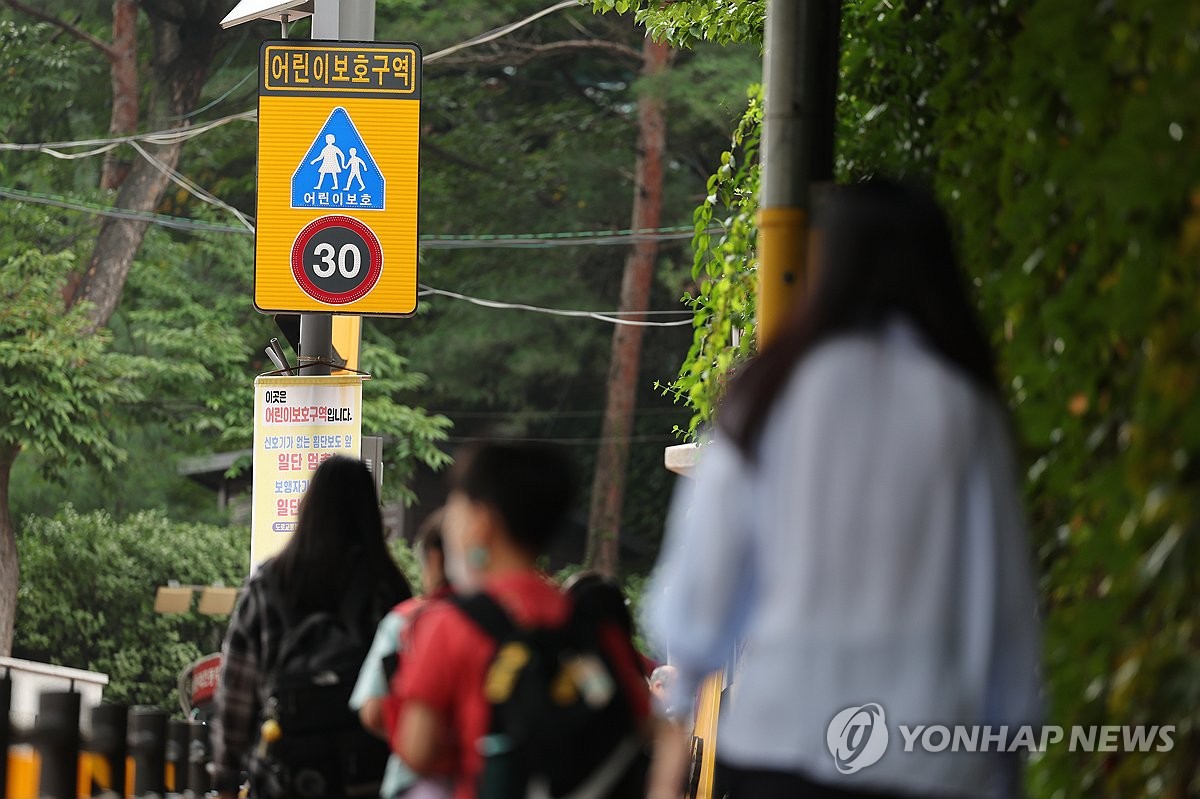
(487, 614)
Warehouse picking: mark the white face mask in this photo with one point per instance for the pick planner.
(460, 576)
(459, 573)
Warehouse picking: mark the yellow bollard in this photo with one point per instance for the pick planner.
(95, 774)
(83, 783)
(24, 769)
(708, 710)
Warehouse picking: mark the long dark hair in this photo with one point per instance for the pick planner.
(885, 250)
(339, 539)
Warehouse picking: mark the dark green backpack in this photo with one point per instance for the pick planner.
(560, 724)
(323, 751)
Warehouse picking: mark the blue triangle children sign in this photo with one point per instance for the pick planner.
(338, 170)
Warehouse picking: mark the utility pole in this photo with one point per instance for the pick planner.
(352, 20)
(800, 68)
(332, 19)
(800, 64)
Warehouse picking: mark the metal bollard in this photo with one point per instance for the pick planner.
(56, 737)
(177, 756)
(5, 726)
(147, 747)
(199, 755)
(106, 749)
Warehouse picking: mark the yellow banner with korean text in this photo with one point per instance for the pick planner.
(299, 422)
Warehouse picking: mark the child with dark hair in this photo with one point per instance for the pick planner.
(336, 562)
(371, 696)
(604, 596)
(603, 592)
(506, 503)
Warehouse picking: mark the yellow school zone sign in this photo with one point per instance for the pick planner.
(338, 144)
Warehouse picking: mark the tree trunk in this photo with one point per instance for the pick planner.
(608, 485)
(10, 571)
(184, 47)
(123, 70)
(185, 35)
(120, 239)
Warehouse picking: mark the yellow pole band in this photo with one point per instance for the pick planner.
(782, 267)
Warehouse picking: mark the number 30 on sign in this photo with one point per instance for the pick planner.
(336, 260)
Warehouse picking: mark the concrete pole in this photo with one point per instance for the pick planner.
(352, 20)
(800, 90)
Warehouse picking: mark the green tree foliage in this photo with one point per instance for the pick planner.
(1073, 170)
(412, 436)
(528, 134)
(405, 556)
(64, 388)
(1064, 139)
(87, 596)
(723, 325)
(532, 132)
(57, 384)
(37, 69)
(686, 22)
(171, 376)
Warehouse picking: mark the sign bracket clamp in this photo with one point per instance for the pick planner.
(307, 362)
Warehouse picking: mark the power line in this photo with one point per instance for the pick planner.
(536, 414)
(181, 134)
(172, 135)
(497, 33)
(228, 60)
(191, 187)
(651, 439)
(611, 317)
(429, 241)
(493, 241)
(223, 96)
(192, 225)
(173, 222)
(167, 136)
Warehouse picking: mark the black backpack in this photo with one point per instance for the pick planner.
(561, 725)
(322, 751)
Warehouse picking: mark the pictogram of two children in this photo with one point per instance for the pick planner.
(333, 161)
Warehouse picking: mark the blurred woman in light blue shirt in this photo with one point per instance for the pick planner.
(855, 523)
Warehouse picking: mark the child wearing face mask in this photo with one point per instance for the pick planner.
(371, 698)
(506, 503)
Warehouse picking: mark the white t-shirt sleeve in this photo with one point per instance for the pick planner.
(702, 588)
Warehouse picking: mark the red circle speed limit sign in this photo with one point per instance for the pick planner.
(336, 260)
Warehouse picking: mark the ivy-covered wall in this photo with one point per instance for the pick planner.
(1063, 136)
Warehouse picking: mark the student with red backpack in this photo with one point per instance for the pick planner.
(524, 692)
